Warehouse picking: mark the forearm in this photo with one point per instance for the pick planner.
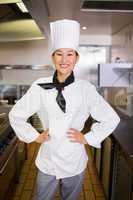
(24, 130)
(20, 113)
(101, 130)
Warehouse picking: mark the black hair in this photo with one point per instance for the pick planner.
(75, 52)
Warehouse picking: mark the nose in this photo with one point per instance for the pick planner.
(64, 58)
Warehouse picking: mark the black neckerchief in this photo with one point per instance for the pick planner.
(59, 87)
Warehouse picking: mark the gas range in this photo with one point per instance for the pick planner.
(8, 145)
(6, 135)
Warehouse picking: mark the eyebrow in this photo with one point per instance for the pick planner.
(70, 51)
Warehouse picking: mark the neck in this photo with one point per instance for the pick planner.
(62, 77)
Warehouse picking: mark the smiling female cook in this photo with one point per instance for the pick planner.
(63, 104)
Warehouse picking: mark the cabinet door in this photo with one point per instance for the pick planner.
(93, 151)
(7, 176)
(21, 156)
(122, 178)
(98, 161)
(106, 166)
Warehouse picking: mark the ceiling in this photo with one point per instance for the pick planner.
(96, 22)
(18, 26)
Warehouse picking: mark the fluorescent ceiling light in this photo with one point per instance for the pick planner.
(107, 6)
(9, 1)
(22, 7)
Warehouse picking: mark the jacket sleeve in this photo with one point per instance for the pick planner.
(106, 119)
(22, 110)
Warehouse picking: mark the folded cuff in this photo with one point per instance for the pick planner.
(91, 140)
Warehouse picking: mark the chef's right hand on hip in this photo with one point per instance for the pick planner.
(43, 137)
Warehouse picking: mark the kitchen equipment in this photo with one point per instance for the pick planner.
(8, 155)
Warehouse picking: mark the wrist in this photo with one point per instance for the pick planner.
(84, 140)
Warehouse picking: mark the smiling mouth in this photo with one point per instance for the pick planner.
(64, 66)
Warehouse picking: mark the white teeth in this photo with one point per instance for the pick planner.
(64, 66)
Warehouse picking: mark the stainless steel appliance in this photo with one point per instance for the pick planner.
(8, 154)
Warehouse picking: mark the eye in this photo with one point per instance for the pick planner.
(70, 54)
(58, 54)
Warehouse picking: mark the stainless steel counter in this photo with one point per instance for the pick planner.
(10, 155)
(123, 134)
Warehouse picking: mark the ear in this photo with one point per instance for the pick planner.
(77, 58)
(52, 57)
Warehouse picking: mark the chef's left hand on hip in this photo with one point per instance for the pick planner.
(76, 136)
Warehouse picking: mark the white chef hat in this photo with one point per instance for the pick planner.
(64, 34)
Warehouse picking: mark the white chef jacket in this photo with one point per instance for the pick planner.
(59, 156)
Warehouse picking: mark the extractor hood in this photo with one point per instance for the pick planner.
(107, 6)
(26, 67)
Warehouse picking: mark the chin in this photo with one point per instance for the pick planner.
(65, 70)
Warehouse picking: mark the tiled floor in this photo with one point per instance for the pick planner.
(92, 189)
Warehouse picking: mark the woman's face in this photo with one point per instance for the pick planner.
(64, 60)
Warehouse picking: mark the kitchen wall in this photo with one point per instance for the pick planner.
(101, 40)
(122, 44)
(23, 76)
(27, 52)
(122, 47)
(33, 52)
(36, 51)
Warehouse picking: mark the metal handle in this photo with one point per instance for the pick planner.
(2, 115)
